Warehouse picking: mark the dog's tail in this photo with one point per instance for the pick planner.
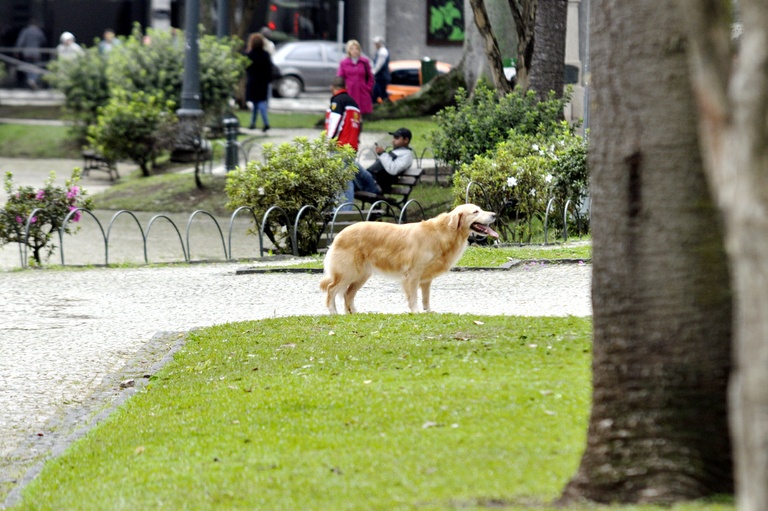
(325, 282)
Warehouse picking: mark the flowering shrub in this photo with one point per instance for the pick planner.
(519, 177)
(291, 176)
(479, 122)
(44, 208)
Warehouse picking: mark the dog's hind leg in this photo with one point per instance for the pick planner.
(354, 287)
(331, 286)
(425, 285)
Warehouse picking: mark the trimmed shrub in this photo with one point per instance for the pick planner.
(136, 126)
(293, 175)
(83, 81)
(519, 177)
(478, 123)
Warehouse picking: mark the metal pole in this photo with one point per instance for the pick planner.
(222, 27)
(190, 114)
(340, 27)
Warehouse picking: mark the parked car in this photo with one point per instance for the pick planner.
(309, 66)
(406, 77)
(306, 66)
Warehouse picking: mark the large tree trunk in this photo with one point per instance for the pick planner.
(658, 429)
(524, 14)
(733, 98)
(548, 64)
(492, 52)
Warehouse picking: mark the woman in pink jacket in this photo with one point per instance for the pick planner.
(356, 71)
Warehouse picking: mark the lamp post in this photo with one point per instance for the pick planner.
(189, 140)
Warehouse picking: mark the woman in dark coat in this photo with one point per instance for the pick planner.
(259, 76)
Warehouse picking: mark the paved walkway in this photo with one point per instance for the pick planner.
(68, 338)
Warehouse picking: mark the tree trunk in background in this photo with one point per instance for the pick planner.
(548, 63)
(658, 430)
(492, 52)
(524, 14)
(732, 95)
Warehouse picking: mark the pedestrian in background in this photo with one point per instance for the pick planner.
(358, 75)
(68, 49)
(108, 41)
(31, 39)
(258, 78)
(381, 74)
(344, 123)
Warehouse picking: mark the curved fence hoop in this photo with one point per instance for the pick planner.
(405, 208)
(294, 249)
(232, 223)
(420, 161)
(338, 209)
(138, 223)
(64, 226)
(482, 189)
(389, 208)
(12, 221)
(181, 240)
(575, 214)
(27, 224)
(215, 222)
(550, 205)
(306, 207)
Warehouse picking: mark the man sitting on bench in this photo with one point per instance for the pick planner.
(391, 164)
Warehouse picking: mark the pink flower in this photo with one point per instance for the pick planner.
(40, 195)
(72, 193)
(19, 220)
(34, 219)
(76, 216)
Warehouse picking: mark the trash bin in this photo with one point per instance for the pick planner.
(428, 70)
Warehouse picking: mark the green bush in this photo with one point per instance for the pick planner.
(291, 176)
(89, 81)
(83, 81)
(54, 204)
(158, 67)
(134, 125)
(519, 177)
(478, 123)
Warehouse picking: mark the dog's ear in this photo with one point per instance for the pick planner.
(455, 221)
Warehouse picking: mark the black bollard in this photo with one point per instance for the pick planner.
(231, 130)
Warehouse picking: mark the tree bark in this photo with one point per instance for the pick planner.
(492, 52)
(548, 63)
(524, 14)
(658, 430)
(732, 95)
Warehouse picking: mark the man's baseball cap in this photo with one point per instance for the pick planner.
(402, 132)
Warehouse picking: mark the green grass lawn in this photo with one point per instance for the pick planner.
(364, 412)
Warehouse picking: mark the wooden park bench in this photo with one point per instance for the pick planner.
(400, 192)
(95, 161)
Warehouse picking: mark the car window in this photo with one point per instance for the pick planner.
(305, 52)
(334, 55)
(405, 77)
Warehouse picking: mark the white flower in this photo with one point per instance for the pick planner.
(283, 229)
(552, 148)
(535, 147)
(548, 178)
(533, 192)
(511, 182)
(261, 190)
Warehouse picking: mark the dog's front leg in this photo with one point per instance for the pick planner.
(411, 288)
(426, 285)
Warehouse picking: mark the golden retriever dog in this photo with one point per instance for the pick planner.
(413, 253)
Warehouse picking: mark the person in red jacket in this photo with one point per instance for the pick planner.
(344, 123)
